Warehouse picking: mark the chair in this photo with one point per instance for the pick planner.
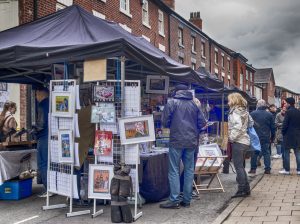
(209, 166)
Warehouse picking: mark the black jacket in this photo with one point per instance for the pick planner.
(264, 125)
(184, 119)
(291, 128)
(42, 118)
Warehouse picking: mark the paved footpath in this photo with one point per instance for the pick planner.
(275, 199)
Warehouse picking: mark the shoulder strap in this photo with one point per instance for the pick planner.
(7, 119)
(3, 122)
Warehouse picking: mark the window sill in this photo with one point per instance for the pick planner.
(103, 0)
(194, 52)
(180, 45)
(161, 34)
(202, 56)
(126, 13)
(147, 25)
(216, 64)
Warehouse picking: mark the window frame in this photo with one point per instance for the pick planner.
(241, 81)
(223, 61)
(203, 51)
(161, 23)
(216, 57)
(125, 10)
(180, 37)
(145, 14)
(193, 44)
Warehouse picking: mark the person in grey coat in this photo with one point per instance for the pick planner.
(185, 120)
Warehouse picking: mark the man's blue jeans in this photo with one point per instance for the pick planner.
(265, 151)
(187, 157)
(286, 159)
(42, 158)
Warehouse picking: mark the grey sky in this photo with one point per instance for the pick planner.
(267, 32)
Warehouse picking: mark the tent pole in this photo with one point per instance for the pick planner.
(122, 86)
(223, 113)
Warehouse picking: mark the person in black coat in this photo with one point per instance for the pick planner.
(265, 128)
(291, 135)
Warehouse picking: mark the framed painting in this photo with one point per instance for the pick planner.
(157, 84)
(99, 181)
(136, 129)
(104, 113)
(104, 93)
(65, 146)
(63, 104)
(103, 143)
(210, 151)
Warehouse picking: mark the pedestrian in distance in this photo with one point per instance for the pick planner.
(185, 121)
(265, 128)
(238, 122)
(279, 138)
(291, 135)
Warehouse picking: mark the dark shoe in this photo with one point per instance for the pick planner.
(170, 205)
(267, 172)
(186, 205)
(241, 194)
(258, 162)
(252, 171)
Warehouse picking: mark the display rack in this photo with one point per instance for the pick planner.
(132, 107)
(60, 179)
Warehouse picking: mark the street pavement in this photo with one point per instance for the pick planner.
(203, 210)
(274, 200)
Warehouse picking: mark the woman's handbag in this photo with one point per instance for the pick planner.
(254, 140)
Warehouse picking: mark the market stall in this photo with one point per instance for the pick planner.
(109, 75)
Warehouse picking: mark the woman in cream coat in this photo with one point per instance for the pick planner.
(238, 122)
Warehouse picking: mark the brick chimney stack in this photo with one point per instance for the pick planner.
(170, 3)
(196, 19)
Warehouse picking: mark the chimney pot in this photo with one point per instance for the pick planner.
(196, 19)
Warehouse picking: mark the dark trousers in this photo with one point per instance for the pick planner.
(42, 158)
(238, 157)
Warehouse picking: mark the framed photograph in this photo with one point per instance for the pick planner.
(105, 113)
(211, 150)
(65, 146)
(104, 93)
(157, 84)
(58, 71)
(63, 104)
(136, 129)
(99, 181)
(103, 143)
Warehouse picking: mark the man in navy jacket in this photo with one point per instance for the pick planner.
(185, 120)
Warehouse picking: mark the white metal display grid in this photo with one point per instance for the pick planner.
(60, 176)
(132, 107)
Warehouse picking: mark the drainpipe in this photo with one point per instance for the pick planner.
(35, 9)
(169, 30)
(209, 56)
